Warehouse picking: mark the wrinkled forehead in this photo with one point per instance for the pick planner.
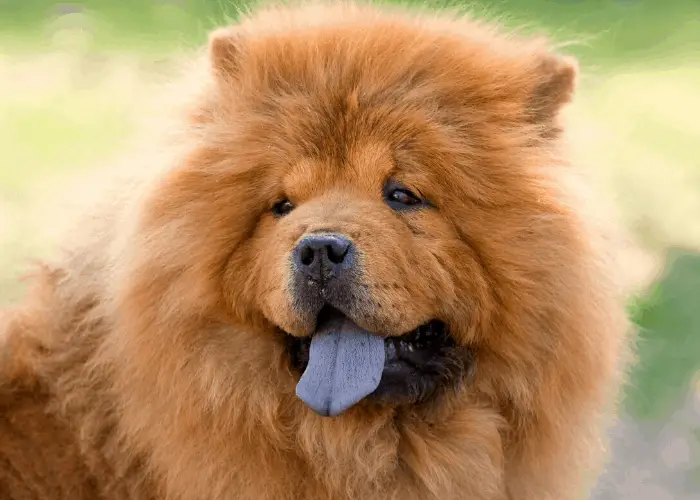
(317, 139)
(363, 168)
(308, 144)
(340, 123)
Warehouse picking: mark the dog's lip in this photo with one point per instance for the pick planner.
(430, 332)
(416, 364)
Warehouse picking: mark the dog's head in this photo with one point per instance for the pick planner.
(374, 191)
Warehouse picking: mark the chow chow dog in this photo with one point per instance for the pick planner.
(366, 270)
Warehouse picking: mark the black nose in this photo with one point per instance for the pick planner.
(323, 256)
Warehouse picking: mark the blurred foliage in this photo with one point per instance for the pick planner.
(668, 317)
(606, 31)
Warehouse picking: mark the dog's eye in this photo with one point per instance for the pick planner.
(404, 197)
(399, 197)
(282, 208)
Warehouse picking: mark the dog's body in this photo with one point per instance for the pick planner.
(153, 360)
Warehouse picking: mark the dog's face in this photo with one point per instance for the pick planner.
(362, 237)
(389, 183)
(359, 232)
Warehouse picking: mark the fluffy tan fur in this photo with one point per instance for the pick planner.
(146, 361)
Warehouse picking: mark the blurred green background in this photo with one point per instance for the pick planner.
(77, 80)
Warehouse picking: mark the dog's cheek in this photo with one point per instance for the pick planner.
(402, 284)
(274, 296)
(456, 273)
(271, 267)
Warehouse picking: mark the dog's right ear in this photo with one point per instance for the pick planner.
(225, 47)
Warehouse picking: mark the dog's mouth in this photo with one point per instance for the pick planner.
(342, 364)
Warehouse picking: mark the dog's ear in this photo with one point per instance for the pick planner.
(225, 48)
(556, 86)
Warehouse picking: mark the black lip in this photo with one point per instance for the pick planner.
(419, 364)
(430, 336)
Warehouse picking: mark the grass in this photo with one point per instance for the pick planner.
(73, 87)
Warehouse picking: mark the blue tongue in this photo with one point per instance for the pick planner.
(345, 366)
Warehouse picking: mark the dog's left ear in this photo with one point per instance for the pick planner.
(556, 86)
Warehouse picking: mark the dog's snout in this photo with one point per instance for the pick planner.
(323, 255)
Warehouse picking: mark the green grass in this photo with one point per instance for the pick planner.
(73, 87)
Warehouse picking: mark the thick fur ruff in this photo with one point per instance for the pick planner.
(146, 362)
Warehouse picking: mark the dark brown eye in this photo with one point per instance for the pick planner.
(282, 208)
(403, 197)
(400, 197)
